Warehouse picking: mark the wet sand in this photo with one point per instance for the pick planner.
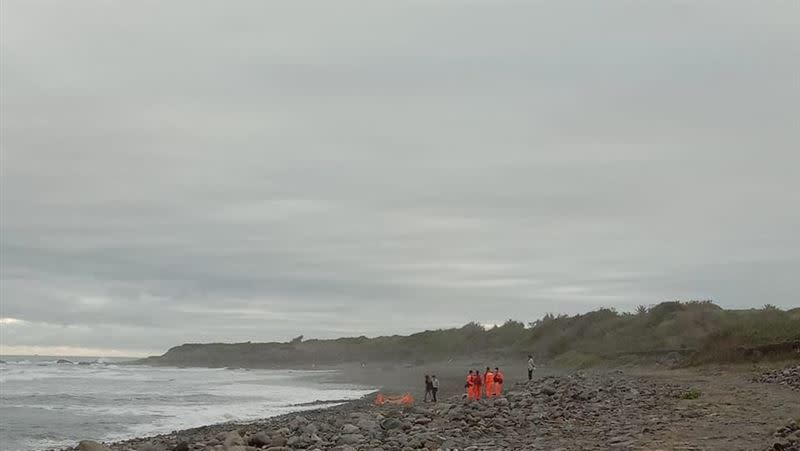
(400, 379)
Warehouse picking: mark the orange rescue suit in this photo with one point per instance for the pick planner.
(470, 386)
(488, 382)
(477, 390)
(498, 383)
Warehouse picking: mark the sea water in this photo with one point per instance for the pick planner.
(45, 404)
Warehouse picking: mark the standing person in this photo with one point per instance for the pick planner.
(488, 382)
(435, 384)
(498, 382)
(470, 386)
(531, 367)
(428, 388)
(477, 386)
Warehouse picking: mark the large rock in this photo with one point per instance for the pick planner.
(350, 439)
(298, 422)
(391, 423)
(367, 425)
(789, 376)
(311, 428)
(89, 445)
(350, 429)
(259, 439)
(548, 390)
(233, 438)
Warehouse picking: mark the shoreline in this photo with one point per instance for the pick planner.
(378, 377)
(637, 408)
(187, 435)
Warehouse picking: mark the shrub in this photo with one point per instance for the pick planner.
(688, 394)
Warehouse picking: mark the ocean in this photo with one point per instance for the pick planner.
(47, 405)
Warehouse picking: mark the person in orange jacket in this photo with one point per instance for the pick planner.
(478, 384)
(488, 382)
(498, 382)
(470, 386)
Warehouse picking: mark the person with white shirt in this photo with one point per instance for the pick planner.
(531, 367)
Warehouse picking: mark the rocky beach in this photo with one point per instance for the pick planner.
(789, 376)
(633, 409)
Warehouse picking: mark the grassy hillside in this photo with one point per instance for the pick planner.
(690, 333)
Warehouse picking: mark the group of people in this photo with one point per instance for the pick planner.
(489, 384)
(486, 385)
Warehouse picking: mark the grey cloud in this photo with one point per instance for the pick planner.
(189, 171)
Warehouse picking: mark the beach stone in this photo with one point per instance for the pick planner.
(391, 423)
(294, 441)
(233, 438)
(89, 445)
(350, 439)
(279, 448)
(181, 446)
(259, 439)
(150, 447)
(789, 376)
(367, 425)
(311, 428)
(548, 390)
(298, 422)
(350, 429)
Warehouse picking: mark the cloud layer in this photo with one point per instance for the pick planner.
(183, 171)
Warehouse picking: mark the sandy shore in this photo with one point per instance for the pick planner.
(710, 408)
(407, 378)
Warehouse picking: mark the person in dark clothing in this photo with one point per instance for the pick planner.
(435, 385)
(428, 388)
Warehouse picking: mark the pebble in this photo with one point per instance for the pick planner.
(789, 376)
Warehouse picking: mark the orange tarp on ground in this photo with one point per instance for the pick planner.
(405, 400)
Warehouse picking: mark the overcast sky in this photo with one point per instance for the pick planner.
(191, 171)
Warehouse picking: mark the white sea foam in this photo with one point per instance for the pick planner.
(111, 402)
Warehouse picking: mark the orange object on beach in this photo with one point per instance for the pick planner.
(488, 383)
(470, 386)
(405, 400)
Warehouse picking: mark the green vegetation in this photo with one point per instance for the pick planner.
(673, 333)
(688, 394)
